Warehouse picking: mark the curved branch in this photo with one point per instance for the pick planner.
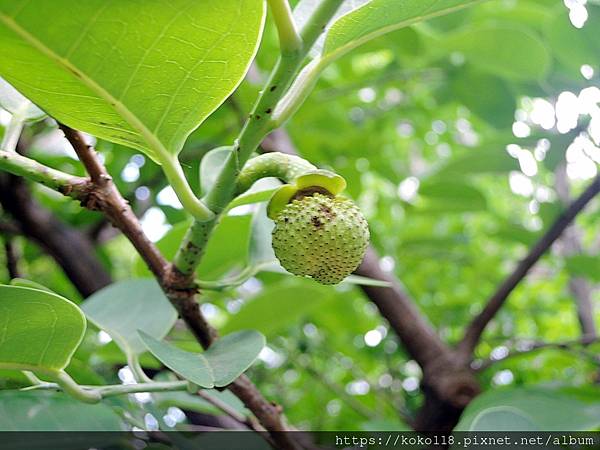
(535, 346)
(477, 326)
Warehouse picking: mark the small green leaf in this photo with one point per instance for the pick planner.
(191, 366)
(55, 411)
(12, 101)
(211, 165)
(222, 363)
(250, 197)
(261, 247)
(22, 282)
(39, 329)
(125, 307)
(233, 354)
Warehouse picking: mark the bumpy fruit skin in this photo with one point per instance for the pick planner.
(321, 237)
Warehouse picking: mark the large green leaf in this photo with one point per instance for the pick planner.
(144, 74)
(125, 307)
(218, 366)
(533, 408)
(54, 411)
(38, 329)
(522, 55)
(378, 17)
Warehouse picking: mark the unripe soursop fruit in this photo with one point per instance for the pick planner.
(320, 236)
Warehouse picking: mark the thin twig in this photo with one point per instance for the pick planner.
(478, 324)
(481, 365)
(353, 403)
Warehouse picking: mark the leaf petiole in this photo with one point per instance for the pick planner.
(192, 204)
(12, 133)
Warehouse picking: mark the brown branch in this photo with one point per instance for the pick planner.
(180, 290)
(68, 246)
(10, 228)
(103, 195)
(478, 324)
(580, 288)
(12, 258)
(419, 338)
(535, 346)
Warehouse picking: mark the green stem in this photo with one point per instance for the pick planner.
(226, 283)
(33, 379)
(174, 173)
(28, 168)
(289, 39)
(256, 127)
(159, 386)
(12, 133)
(276, 165)
(133, 361)
(298, 91)
(97, 393)
(12, 162)
(68, 385)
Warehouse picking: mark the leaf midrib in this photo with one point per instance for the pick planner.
(151, 139)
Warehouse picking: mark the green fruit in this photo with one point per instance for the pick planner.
(321, 237)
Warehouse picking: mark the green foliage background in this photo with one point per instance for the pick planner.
(418, 122)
